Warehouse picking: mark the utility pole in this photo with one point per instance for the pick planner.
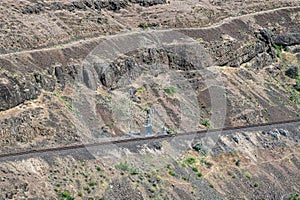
(131, 92)
(164, 130)
(148, 123)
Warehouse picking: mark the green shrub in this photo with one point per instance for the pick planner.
(79, 194)
(172, 173)
(190, 160)
(92, 183)
(295, 98)
(294, 197)
(65, 100)
(85, 174)
(98, 168)
(70, 198)
(207, 123)
(211, 185)
(199, 174)
(86, 187)
(141, 89)
(170, 90)
(143, 25)
(278, 50)
(66, 195)
(133, 171)
(185, 178)
(195, 169)
(256, 184)
(171, 132)
(122, 166)
(248, 176)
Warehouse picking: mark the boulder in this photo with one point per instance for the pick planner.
(287, 39)
(283, 132)
(200, 148)
(13, 93)
(79, 5)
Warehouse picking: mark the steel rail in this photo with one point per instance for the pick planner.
(153, 137)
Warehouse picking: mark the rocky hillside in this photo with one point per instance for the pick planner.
(245, 164)
(63, 95)
(74, 72)
(31, 24)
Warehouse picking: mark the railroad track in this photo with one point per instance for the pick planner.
(153, 137)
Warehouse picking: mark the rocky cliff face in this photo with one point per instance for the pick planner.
(250, 66)
(256, 47)
(87, 4)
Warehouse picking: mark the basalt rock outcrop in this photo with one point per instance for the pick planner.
(17, 88)
(112, 5)
(226, 48)
(287, 39)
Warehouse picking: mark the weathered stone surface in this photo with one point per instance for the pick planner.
(35, 9)
(121, 189)
(113, 5)
(13, 92)
(292, 71)
(287, 39)
(265, 35)
(148, 2)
